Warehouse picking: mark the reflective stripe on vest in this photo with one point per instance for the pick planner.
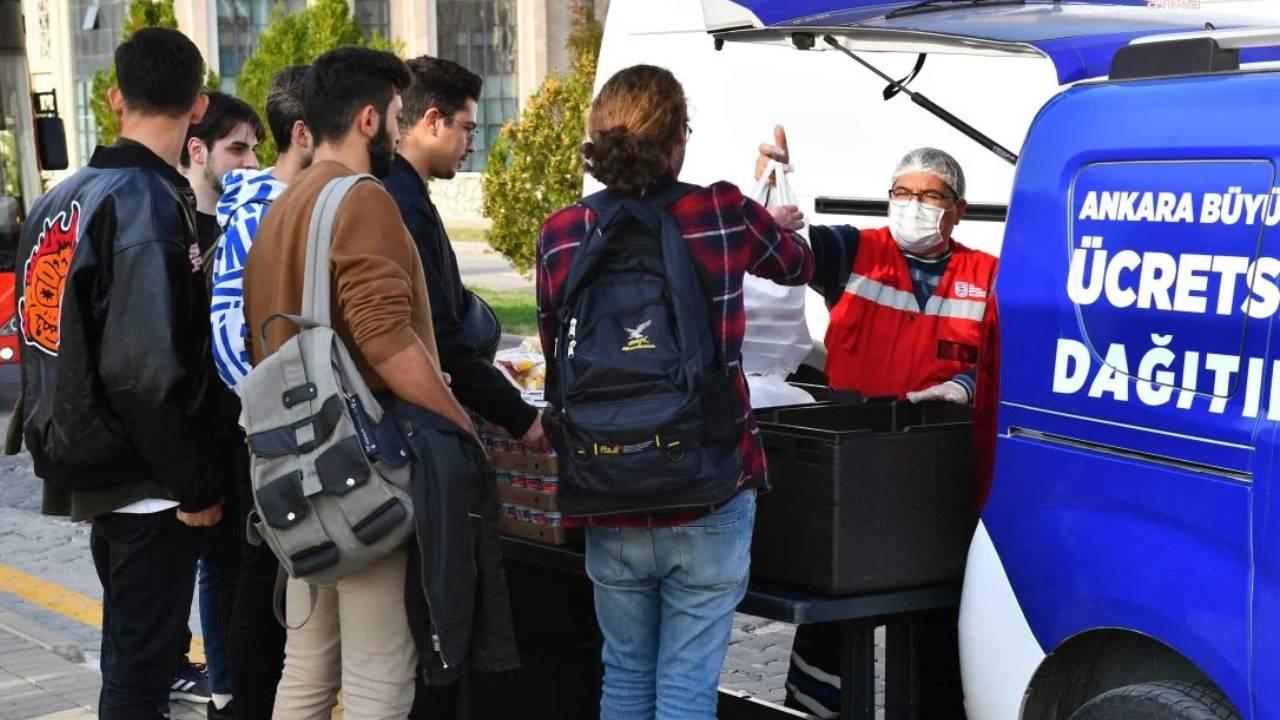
(891, 297)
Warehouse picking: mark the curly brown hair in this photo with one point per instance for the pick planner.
(635, 123)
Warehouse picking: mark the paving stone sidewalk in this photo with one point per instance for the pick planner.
(35, 682)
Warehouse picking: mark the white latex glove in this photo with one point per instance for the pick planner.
(949, 391)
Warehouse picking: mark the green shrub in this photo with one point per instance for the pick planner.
(296, 39)
(141, 13)
(535, 164)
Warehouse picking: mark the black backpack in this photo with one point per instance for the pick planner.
(643, 412)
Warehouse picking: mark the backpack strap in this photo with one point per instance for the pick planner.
(649, 209)
(278, 600)
(316, 281)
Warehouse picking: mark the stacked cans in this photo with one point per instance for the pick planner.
(528, 487)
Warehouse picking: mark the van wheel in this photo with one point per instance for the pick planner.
(1159, 701)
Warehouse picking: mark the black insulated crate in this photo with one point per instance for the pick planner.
(867, 496)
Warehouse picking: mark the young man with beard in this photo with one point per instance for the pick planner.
(116, 369)
(223, 140)
(255, 642)
(357, 638)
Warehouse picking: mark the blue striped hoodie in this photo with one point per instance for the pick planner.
(247, 195)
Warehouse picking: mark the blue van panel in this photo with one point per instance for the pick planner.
(1139, 282)
(1092, 542)
(1129, 170)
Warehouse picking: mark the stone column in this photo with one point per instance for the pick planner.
(198, 20)
(531, 46)
(413, 24)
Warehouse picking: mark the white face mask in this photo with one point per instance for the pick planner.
(916, 227)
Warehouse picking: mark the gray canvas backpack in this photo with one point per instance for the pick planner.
(330, 481)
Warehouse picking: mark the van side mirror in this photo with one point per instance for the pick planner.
(51, 135)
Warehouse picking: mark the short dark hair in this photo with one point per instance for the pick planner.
(345, 80)
(159, 71)
(220, 119)
(284, 104)
(438, 83)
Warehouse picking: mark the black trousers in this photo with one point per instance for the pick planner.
(255, 640)
(147, 566)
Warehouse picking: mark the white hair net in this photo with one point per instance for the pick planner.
(934, 162)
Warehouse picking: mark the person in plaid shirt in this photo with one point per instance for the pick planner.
(666, 585)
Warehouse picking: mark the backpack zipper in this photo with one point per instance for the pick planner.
(573, 334)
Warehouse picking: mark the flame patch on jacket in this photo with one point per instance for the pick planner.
(44, 277)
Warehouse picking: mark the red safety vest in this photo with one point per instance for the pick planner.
(881, 343)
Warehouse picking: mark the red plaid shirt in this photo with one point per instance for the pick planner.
(730, 236)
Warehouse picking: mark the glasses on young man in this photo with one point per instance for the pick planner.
(470, 128)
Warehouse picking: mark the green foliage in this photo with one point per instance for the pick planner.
(293, 39)
(141, 13)
(517, 310)
(535, 164)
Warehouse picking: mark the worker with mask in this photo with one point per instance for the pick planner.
(908, 304)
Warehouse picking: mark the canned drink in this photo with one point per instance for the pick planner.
(522, 513)
(533, 482)
(501, 443)
(507, 509)
(519, 480)
(537, 517)
(517, 447)
(554, 519)
(551, 484)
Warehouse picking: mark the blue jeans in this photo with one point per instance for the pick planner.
(219, 575)
(665, 599)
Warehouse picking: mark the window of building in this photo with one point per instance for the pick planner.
(86, 126)
(481, 36)
(373, 16)
(96, 29)
(240, 22)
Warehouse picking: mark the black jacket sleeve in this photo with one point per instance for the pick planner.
(834, 248)
(155, 366)
(476, 383)
(482, 387)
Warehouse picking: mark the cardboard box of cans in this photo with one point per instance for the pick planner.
(528, 484)
(529, 531)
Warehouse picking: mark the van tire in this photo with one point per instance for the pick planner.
(1159, 701)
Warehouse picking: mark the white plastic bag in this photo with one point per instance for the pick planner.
(774, 391)
(777, 338)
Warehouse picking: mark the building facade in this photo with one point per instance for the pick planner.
(512, 44)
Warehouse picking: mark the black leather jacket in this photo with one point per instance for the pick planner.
(455, 589)
(116, 363)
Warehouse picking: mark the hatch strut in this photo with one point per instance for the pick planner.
(924, 102)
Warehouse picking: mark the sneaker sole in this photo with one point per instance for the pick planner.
(189, 697)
